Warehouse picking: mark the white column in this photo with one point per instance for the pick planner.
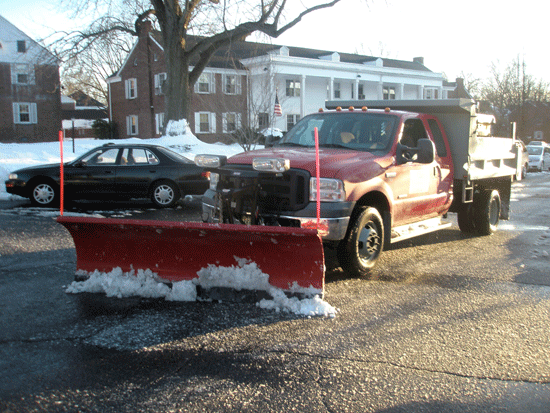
(420, 92)
(380, 90)
(331, 89)
(303, 97)
(356, 89)
(400, 91)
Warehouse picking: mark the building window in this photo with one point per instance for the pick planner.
(205, 122)
(337, 93)
(431, 93)
(361, 92)
(206, 83)
(231, 122)
(263, 120)
(388, 93)
(232, 84)
(131, 88)
(291, 121)
(293, 88)
(160, 83)
(132, 125)
(24, 113)
(159, 122)
(21, 46)
(22, 74)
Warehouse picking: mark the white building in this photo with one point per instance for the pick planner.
(303, 79)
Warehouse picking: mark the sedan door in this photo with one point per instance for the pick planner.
(93, 176)
(138, 169)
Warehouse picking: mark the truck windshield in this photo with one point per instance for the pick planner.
(358, 131)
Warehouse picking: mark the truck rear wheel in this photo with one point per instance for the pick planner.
(487, 212)
(359, 251)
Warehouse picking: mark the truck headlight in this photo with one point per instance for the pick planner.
(214, 179)
(12, 176)
(210, 161)
(276, 165)
(332, 190)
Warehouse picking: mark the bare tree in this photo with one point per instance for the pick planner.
(510, 89)
(218, 23)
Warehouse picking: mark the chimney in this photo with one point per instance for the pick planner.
(418, 60)
(144, 27)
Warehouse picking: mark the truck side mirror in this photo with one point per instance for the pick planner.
(426, 151)
(270, 140)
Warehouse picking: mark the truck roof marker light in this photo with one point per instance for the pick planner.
(387, 110)
(339, 109)
(364, 108)
(321, 110)
(351, 108)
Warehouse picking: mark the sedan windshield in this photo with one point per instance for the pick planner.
(534, 150)
(358, 131)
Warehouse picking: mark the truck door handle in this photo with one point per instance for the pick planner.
(391, 174)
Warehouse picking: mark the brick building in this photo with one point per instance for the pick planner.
(137, 100)
(30, 98)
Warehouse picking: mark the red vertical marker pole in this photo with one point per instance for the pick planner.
(61, 173)
(318, 177)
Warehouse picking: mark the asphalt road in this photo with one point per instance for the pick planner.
(452, 324)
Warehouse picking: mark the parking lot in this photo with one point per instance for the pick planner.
(453, 323)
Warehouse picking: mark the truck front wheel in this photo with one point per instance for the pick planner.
(487, 212)
(359, 251)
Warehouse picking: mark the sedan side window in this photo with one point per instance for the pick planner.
(102, 157)
(152, 158)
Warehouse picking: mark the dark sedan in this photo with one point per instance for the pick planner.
(114, 171)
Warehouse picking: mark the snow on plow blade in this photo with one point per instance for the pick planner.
(176, 251)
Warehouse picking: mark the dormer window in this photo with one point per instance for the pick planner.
(21, 46)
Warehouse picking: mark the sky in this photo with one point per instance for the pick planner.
(454, 37)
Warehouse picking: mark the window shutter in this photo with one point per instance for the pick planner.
(238, 121)
(238, 89)
(33, 116)
(128, 126)
(212, 83)
(16, 117)
(197, 122)
(137, 125)
(126, 90)
(212, 122)
(224, 122)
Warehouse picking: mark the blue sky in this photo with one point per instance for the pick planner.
(452, 36)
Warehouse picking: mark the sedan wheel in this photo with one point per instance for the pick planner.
(165, 194)
(43, 194)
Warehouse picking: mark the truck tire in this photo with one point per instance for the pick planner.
(359, 251)
(487, 212)
(466, 219)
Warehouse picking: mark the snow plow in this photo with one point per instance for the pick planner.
(176, 251)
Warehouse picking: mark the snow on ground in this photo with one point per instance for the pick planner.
(142, 283)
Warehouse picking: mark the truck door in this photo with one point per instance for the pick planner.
(414, 184)
(443, 167)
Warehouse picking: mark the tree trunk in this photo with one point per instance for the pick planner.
(177, 68)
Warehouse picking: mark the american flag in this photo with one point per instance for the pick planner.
(277, 110)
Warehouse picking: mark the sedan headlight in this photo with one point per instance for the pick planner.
(12, 176)
(276, 165)
(332, 190)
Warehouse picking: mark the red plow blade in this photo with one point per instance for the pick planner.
(176, 251)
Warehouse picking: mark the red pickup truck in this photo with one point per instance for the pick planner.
(389, 170)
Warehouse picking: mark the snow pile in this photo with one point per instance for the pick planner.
(245, 275)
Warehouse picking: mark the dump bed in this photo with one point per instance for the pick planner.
(474, 157)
